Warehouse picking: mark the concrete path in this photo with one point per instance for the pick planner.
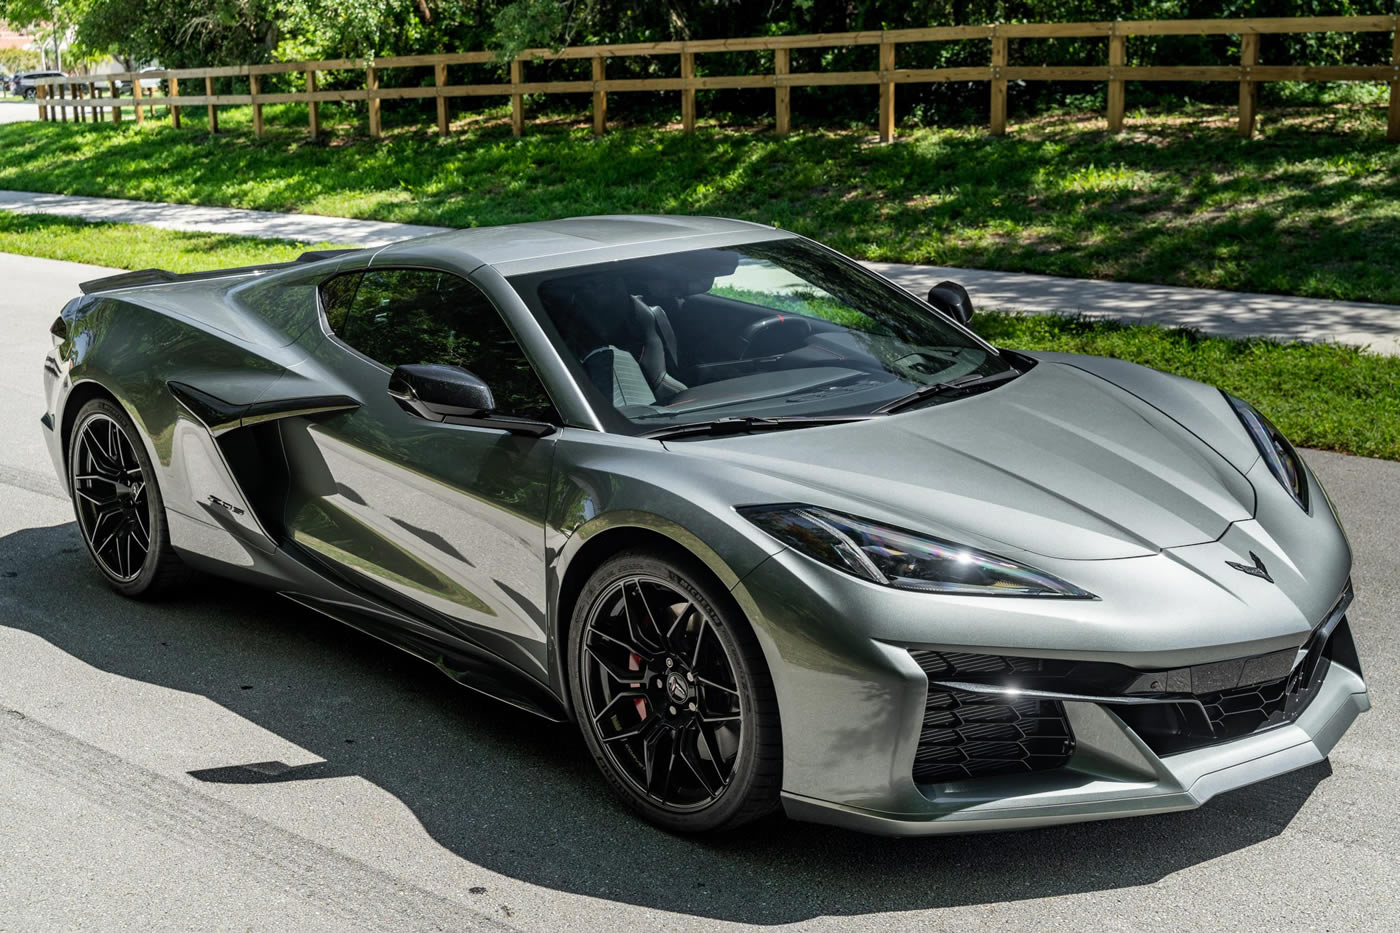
(306, 228)
(1233, 314)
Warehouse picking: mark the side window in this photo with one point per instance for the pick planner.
(336, 296)
(397, 316)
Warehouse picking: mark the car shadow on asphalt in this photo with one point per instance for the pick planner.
(519, 796)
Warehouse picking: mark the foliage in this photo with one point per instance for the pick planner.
(13, 61)
(1311, 207)
(193, 33)
(224, 32)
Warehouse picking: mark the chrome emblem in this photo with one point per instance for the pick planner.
(1258, 570)
(676, 687)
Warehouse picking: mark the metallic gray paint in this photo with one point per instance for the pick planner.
(457, 543)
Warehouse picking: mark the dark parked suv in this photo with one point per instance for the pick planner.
(23, 85)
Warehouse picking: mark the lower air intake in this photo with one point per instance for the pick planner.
(972, 735)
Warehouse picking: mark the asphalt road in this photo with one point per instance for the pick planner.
(403, 802)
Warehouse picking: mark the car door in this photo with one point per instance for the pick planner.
(446, 520)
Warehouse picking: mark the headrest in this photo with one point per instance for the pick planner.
(679, 275)
(597, 301)
(664, 286)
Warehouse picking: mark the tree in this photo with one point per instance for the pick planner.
(51, 21)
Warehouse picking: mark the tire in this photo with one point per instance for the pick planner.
(706, 753)
(118, 505)
(30, 93)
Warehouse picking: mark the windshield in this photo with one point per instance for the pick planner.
(764, 330)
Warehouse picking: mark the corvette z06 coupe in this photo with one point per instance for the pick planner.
(770, 530)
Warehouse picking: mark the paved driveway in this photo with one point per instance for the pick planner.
(127, 800)
(14, 112)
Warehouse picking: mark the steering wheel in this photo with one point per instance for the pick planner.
(773, 335)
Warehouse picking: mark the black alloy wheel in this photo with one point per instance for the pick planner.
(117, 503)
(673, 696)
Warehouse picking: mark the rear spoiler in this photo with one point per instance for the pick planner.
(162, 277)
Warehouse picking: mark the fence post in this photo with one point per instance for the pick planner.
(1393, 130)
(255, 86)
(600, 98)
(96, 115)
(999, 56)
(213, 113)
(59, 95)
(78, 115)
(440, 81)
(372, 87)
(782, 94)
(1249, 91)
(517, 101)
(116, 102)
(174, 108)
(313, 107)
(688, 93)
(136, 94)
(886, 92)
(1117, 58)
(41, 95)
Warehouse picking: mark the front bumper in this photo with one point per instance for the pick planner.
(855, 685)
(1112, 774)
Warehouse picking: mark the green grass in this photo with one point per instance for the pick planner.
(1321, 395)
(131, 246)
(1311, 207)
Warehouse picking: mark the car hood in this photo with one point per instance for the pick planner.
(1058, 462)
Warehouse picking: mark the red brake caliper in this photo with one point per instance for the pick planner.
(634, 663)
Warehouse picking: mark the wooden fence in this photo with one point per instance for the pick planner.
(92, 97)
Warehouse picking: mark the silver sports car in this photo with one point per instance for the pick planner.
(770, 530)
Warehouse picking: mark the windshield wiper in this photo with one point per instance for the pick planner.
(956, 386)
(722, 426)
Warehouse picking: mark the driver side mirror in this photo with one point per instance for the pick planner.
(452, 395)
(952, 301)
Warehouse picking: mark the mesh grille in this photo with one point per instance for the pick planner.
(1245, 710)
(969, 735)
(1233, 713)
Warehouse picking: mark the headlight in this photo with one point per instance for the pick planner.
(1282, 459)
(903, 559)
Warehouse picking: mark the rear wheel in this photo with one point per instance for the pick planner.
(118, 505)
(673, 696)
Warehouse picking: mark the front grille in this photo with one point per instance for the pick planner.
(971, 735)
(1233, 713)
(1241, 711)
(971, 731)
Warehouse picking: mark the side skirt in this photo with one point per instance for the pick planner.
(462, 662)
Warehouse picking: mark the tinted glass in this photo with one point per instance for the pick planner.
(765, 329)
(397, 316)
(336, 296)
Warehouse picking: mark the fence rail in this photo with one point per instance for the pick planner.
(92, 96)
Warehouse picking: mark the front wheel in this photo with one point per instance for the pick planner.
(118, 505)
(673, 696)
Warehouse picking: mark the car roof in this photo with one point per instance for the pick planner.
(574, 241)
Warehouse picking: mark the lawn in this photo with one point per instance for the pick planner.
(1321, 395)
(130, 246)
(1311, 207)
